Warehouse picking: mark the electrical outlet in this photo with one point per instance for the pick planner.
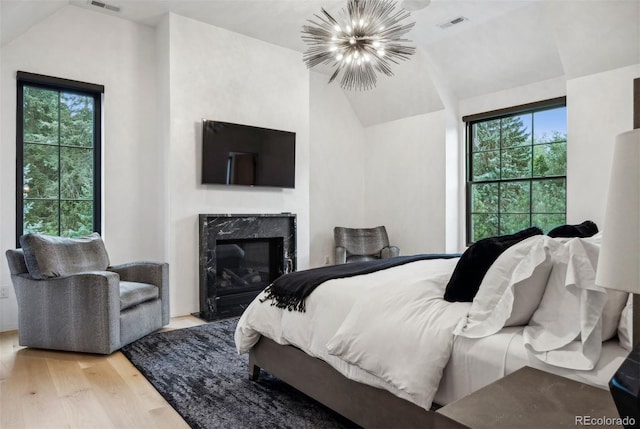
(327, 261)
(4, 292)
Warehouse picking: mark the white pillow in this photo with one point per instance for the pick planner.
(566, 329)
(511, 289)
(611, 314)
(625, 327)
(616, 300)
(596, 238)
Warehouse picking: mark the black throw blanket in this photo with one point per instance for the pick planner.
(290, 291)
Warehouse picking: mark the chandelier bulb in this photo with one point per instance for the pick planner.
(369, 31)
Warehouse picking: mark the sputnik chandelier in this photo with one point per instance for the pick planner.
(365, 39)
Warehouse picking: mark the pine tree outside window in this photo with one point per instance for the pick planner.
(58, 156)
(516, 169)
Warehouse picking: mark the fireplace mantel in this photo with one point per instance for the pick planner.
(275, 232)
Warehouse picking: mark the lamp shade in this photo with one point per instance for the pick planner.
(619, 260)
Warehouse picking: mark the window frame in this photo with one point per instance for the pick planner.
(61, 85)
(471, 120)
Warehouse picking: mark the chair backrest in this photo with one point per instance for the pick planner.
(50, 256)
(361, 241)
(17, 265)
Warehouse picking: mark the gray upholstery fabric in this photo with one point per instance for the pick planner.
(155, 273)
(82, 311)
(17, 264)
(139, 321)
(75, 313)
(362, 244)
(47, 256)
(133, 293)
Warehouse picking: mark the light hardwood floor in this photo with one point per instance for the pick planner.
(50, 389)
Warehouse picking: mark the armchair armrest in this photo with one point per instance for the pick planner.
(155, 273)
(390, 252)
(340, 255)
(83, 311)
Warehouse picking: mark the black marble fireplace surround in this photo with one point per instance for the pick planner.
(240, 255)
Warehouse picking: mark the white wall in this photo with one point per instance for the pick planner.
(389, 174)
(120, 55)
(337, 167)
(404, 181)
(600, 106)
(163, 128)
(221, 75)
(543, 90)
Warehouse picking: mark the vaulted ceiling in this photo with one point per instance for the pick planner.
(500, 44)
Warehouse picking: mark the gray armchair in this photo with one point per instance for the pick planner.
(70, 298)
(362, 244)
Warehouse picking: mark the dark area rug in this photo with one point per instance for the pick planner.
(198, 371)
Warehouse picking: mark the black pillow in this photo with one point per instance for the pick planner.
(583, 230)
(475, 262)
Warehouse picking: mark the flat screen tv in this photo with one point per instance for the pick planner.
(234, 154)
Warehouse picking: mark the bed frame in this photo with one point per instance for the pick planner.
(364, 405)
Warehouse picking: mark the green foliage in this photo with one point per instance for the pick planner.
(57, 162)
(517, 177)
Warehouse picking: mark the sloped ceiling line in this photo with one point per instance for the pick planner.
(503, 44)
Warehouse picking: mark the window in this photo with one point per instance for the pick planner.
(58, 156)
(516, 169)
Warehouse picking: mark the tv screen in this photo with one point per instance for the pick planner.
(234, 154)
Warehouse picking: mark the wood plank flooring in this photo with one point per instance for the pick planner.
(51, 389)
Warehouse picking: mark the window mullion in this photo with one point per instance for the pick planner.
(533, 128)
(499, 208)
(59, 167)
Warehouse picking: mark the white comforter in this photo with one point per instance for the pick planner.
(407, 362)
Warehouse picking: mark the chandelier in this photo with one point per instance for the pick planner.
(365, 39)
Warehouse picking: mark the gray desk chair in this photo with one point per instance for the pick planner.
(70, 298)
(362, 244)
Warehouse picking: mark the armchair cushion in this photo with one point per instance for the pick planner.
(154, 273)
(132, 294)
(48, 256)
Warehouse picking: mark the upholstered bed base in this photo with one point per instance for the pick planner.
(364, 405)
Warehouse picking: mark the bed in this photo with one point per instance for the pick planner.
(385, 348)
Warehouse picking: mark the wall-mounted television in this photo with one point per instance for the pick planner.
(234, 154)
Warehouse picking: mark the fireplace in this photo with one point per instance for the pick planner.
(240, 255)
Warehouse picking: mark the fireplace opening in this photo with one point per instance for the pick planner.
(240, 255)
(248, 264)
